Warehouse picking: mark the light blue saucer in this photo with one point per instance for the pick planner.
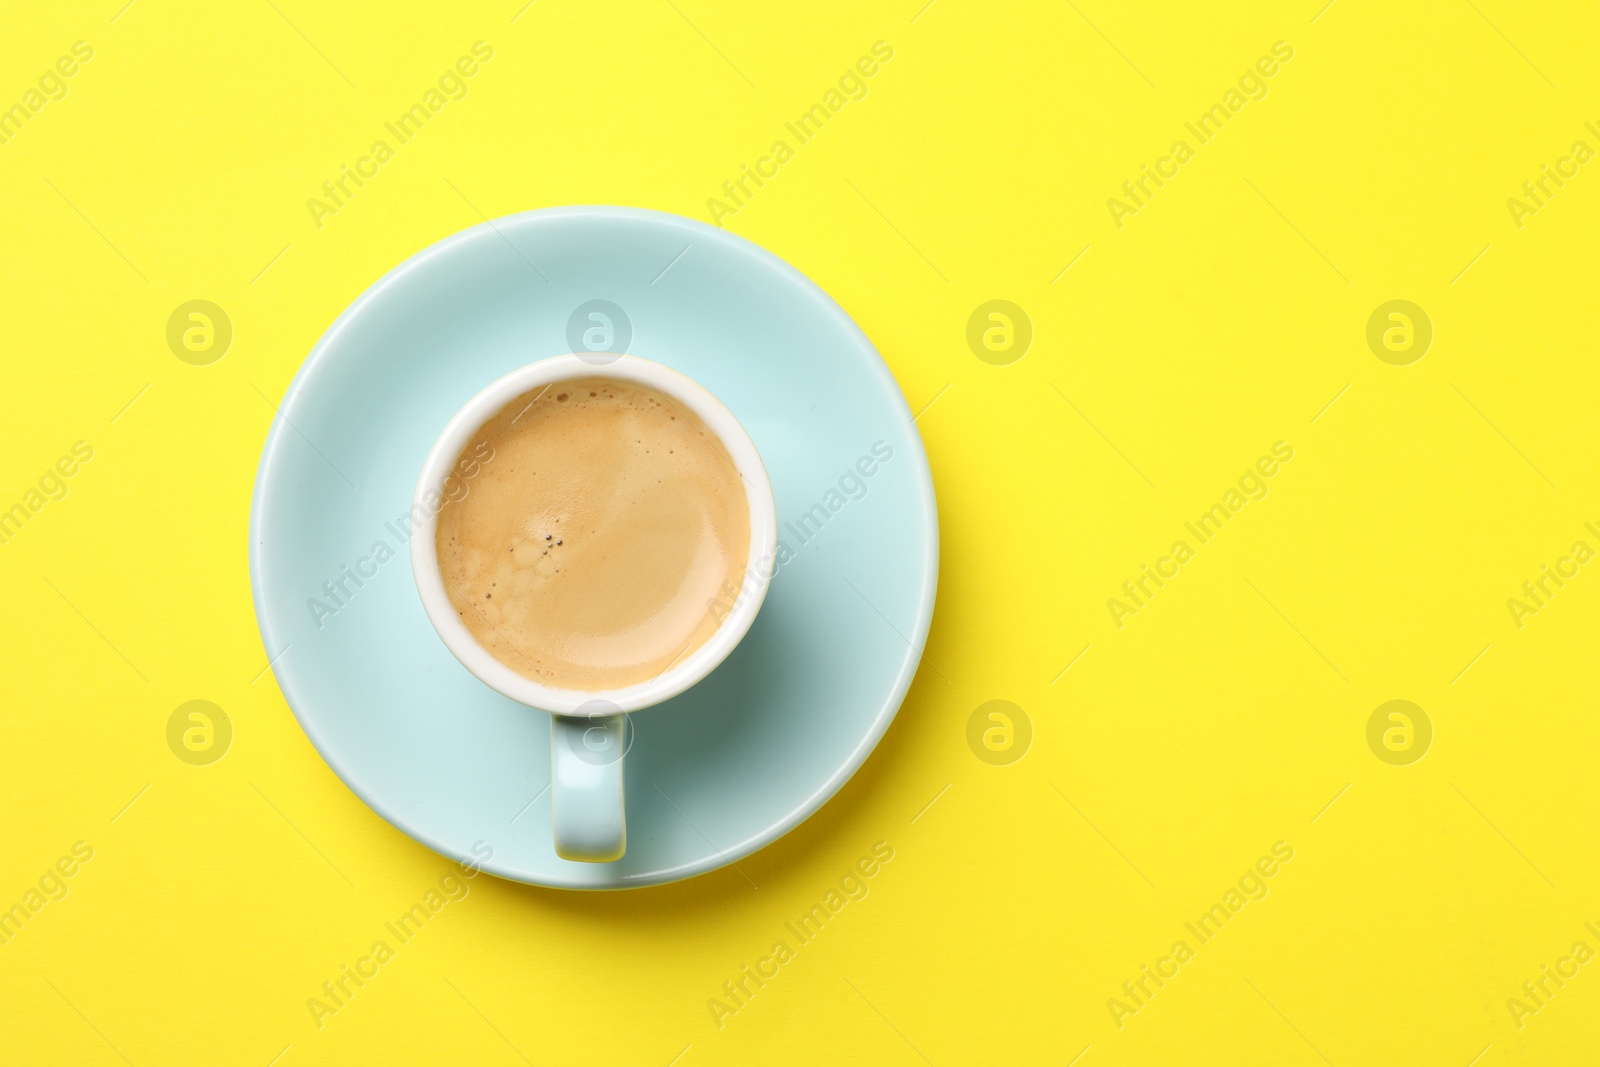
(733, 763)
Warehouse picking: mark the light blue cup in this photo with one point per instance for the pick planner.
(588, 731)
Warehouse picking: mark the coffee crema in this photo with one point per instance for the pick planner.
(590, 554)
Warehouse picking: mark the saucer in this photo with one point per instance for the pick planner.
(713, 774)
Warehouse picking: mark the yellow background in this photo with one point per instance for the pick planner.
(1223, 717)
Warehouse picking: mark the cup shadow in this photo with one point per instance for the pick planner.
(767, 868)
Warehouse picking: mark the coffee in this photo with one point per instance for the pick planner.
(592, 552)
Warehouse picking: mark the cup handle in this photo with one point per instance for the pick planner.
(586, 806)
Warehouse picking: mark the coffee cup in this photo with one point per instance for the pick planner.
(589, 733)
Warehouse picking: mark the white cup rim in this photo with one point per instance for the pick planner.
(488, 402)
